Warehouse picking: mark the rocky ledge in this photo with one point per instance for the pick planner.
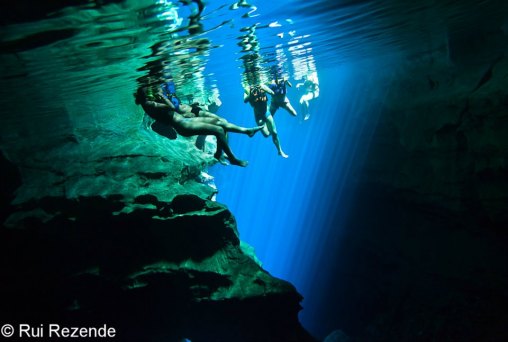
(124, 234)
(165, 271)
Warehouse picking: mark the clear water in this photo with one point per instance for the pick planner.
(88, 60)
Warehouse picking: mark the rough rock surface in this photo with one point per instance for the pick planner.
(423, 254)
(103, 227)
(448, 144)
(162, 271)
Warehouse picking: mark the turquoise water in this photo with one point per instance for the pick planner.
(89, 59)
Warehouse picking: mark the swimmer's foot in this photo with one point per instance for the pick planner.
(221, 159)
(238, 162)
(307, 116)
(254, 130)
(283, 155)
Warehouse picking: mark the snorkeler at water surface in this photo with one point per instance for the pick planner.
(311, 89)
(279, 98)
(190, 121)
(256, 96)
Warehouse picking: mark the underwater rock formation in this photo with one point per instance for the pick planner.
(448, 144)
(107, 230)
(10, 179)
(423, 254)
(162, 271)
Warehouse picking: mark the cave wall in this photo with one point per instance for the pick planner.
(160, 271)
(441, 136)
(422, 255)
(107, 222)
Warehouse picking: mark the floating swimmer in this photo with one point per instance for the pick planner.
(311, 89)
(190, 121)
(256, 96)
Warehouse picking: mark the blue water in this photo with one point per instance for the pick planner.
(284, 207)
(290, 210)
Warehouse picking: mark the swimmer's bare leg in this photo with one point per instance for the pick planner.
(290, 109)
(233, 160)
(304, 102)
(197, 127)
(264, 130)
(228, 126)
(219, 152)
(222, 145)
(275, 137)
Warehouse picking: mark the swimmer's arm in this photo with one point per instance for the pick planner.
(268, 90)
(246, 96)
(158, 105)
(172, 106)
(288, 83)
